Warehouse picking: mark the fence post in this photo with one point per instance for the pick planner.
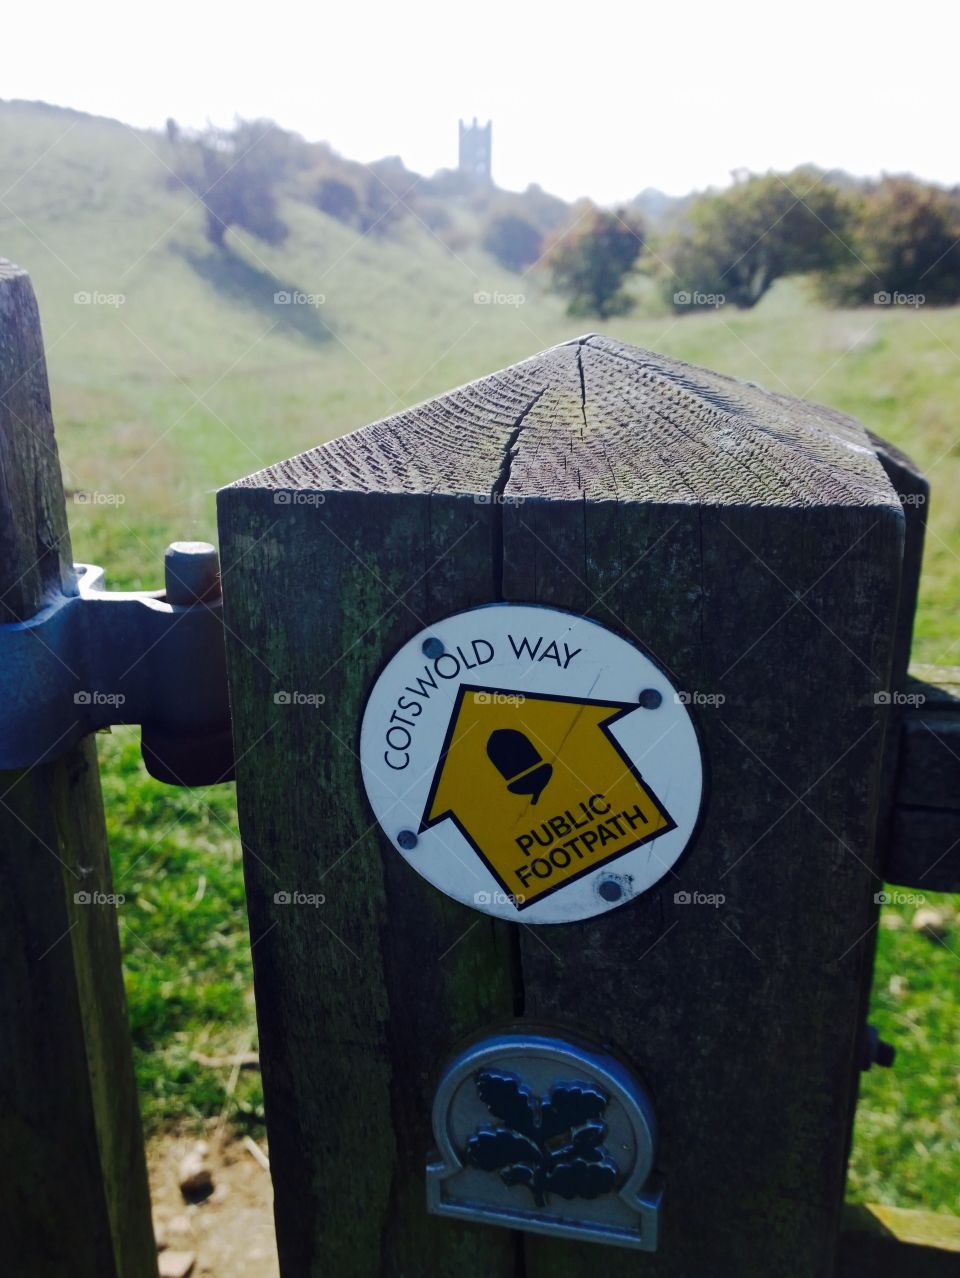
(75, 1198)
(753, 545)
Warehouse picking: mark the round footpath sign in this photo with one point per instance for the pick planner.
(531, 763)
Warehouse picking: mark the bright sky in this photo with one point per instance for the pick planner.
(593, 99)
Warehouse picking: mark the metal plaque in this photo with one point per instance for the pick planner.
(537, 1134)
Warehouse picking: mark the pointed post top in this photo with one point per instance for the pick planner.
(599, 419)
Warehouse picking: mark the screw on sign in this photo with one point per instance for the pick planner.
(500, 748)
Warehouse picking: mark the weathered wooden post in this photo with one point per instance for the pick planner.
(685, 989)
(75, 1198)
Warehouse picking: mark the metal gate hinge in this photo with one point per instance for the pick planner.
(97, 657)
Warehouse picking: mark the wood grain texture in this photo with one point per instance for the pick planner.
(754, 545)
(759, 561)
(923, 851)
(929, 771)
(359, 999)
(912, 491)
(75, 1197)
(940, 686)
(34, 539)
(898, 1243)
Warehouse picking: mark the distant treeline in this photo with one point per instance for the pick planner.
(860, 241)
(239, 173)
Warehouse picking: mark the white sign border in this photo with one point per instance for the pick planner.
(663, 743)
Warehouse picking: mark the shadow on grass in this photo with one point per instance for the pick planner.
(236, 279)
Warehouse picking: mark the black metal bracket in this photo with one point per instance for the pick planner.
(92, 657)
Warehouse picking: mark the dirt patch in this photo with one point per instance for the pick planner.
(231, 1232)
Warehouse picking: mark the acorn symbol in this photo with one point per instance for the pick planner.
(519, 762)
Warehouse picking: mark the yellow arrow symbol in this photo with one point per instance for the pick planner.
(540, 788)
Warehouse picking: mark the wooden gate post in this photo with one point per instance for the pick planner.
(754, 546)
(74, 1198)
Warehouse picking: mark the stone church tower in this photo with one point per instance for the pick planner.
(475, 147)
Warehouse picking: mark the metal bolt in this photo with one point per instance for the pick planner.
(407, 840)
(433, 648)
(610, 889)
(191, 571)
(650, 698)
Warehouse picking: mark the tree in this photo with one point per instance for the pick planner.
(734, 244)
(390, 194)
(235, 173)
(338, 199)
(906, 241)
(513, 241)
(590, 261)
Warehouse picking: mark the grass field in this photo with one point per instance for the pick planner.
(198, 376)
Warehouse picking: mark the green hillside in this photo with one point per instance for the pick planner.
(198, 376)
(200, 366)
